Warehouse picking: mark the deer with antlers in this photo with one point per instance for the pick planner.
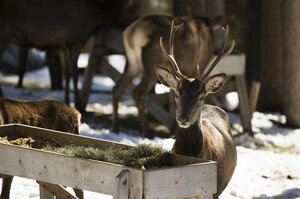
(203, 130)
(141, 42)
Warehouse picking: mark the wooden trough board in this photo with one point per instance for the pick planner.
(187, 178)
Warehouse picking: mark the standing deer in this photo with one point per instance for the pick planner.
(141, 42)
(60, 25)
(46, 114)
(203, 130)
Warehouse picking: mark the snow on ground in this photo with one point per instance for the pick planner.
(267, 165)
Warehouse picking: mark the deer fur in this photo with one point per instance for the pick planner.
(195, 46)
(202, 130)
(46, 114)
(60, 25)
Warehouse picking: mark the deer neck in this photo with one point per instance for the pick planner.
(189, 141)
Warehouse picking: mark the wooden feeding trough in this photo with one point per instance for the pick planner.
(188, 177)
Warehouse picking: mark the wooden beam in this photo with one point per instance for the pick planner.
(244, 104)
(45, 194)
(253, 96)
(231, 65)
(57, 190)
(121, 189)
(4, 176)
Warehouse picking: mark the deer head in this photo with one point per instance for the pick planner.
(190, 92)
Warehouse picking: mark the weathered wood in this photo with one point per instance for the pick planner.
(122, 185)
(59, 191)
(68, 171)
(253, 96)
(45, 194)
(172, 183)
(4, 176)
(231, 65)
(244, 103)
(94, 175)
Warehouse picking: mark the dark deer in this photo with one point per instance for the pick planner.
(46, 114)
(203, 130)
(141, 42)
(63, 25)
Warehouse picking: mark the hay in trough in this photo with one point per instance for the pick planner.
(142, 156)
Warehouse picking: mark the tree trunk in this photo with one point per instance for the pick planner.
(271, 60)
(253, 41)
(291, 60)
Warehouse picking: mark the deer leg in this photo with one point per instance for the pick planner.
(23, 53)
(66, 73)
(55, 69)
(71, 60)
(139, 94)
(123, 83)
(6, 185)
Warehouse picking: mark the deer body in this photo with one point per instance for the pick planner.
(209, 138)
(58, 25)
(202, 130)
(46, 114)
(141, 41)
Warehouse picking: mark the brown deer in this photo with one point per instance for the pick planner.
(46, 114)
(203, 130)
(60, 25)
(141, 42)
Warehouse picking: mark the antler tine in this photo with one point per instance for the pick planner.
(221, 53)
(170, 56)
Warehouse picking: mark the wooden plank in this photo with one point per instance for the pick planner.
(7, 129)
(4, 176)
(45, 194)
(64, 170)
(62, 137)
(253, 96)
(121, 189)
(244, 104)
(96, 175)
(231, 65)
(180, 160)
(180, 182)
(59, 191)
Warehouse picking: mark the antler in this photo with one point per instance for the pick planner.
(170, 56)
(221, 53)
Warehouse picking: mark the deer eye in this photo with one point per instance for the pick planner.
(201, 98)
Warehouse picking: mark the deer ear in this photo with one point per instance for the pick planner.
(166, 77)
(215, 83)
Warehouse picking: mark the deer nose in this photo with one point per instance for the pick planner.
(184, 121)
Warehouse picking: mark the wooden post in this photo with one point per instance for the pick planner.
(121, 189)
(244, 103)
(51, 190)
(253, 96)
(45, 194)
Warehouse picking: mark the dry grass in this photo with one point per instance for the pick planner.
(142, 156)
